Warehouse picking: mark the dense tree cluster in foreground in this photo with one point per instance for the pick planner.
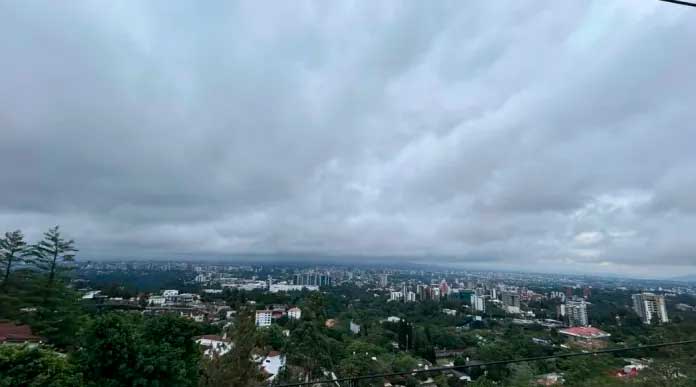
(88, 347)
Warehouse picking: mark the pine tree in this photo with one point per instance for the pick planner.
(235, 368)
(13, 249)
(52, 251)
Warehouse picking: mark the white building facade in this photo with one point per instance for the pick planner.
(264, 318)
(650, 307)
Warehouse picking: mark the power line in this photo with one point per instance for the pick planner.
(491, 363)
(680, 2)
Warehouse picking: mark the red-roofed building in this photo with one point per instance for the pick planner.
(11, 333)
(586, 337)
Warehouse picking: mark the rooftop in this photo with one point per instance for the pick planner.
(13, 333)
(585, 332)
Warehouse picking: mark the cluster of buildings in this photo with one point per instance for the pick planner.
(187, 305)
(476, 295)
(313, 278)
(216, 345)
(264, 318)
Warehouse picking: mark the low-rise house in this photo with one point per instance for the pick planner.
(294, 313)
(586, 337)
(264, 318)
(632, 369)
(214, 344)
(272, 364)
(156, 300)
(91, 294)
(277, 313)
(170, 293)
(11, 333)
(354, 328)
(552, 379)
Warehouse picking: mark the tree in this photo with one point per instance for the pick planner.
(122, 349)
(272, 337)
(172, 346)
(482, 382)
(310, 349)
(13, 249)
(315, 307)
(403, 362)
(36, 367)
(59, 315)
(52, 251)
(521, 375)
(235, 368)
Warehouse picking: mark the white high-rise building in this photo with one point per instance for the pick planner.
(650, 307)
(410, 296)
(576, 313)
(478, 303)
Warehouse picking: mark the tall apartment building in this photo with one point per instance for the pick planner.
(444, 288)
(396, 296)
(575, 313)
(650, 307)
(511, 299)
(313, 279)
(478, 303)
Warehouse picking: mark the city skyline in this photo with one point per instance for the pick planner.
(554, 136)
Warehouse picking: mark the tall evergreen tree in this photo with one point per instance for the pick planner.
(13, 249)
(52, 251)
(235, 368)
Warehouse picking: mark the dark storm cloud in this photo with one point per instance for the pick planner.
(546, 135)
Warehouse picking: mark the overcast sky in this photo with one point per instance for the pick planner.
(541, 135)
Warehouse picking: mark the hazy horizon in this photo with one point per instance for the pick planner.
(553, 136)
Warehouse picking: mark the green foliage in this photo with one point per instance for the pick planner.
(521, 375)
(127, 349)
(13, 250)
(315, 307)
(53, 250)
(403, 362)
(272, 337)
(24, 366)
(59, 316)
(482, 382)
(236, 368)
(310, 348)
(588, 370)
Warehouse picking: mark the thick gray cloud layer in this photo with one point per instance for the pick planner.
(541, 135)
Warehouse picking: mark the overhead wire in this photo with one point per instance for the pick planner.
(490, 363)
